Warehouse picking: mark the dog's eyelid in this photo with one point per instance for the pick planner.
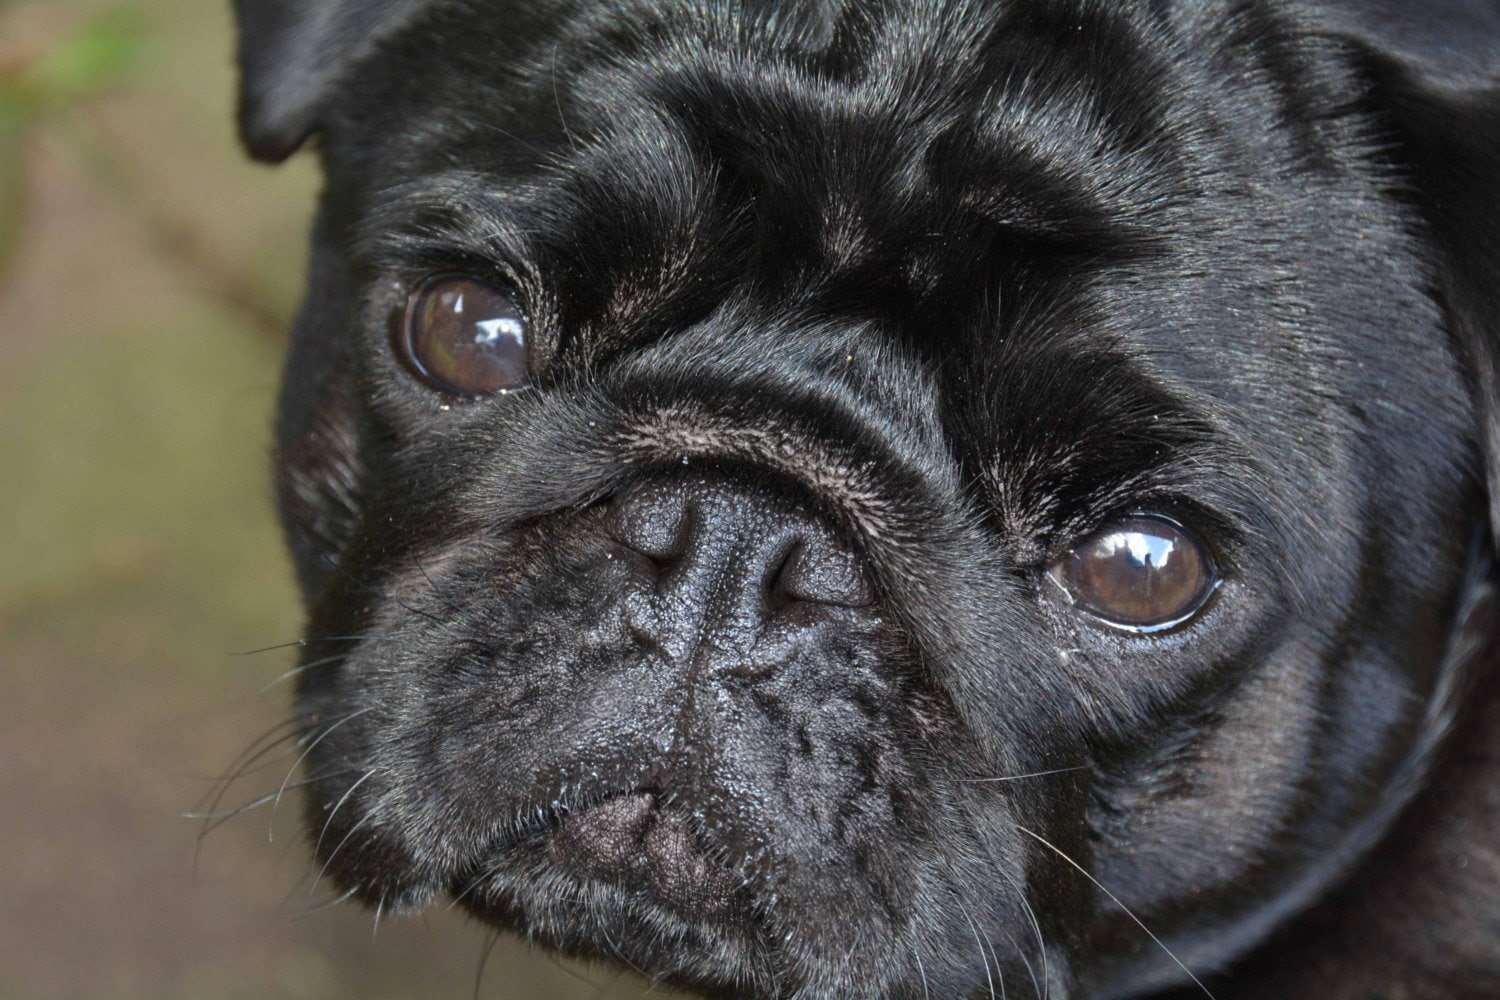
(425, 264)
(1201, 516)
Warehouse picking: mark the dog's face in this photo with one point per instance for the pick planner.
(783, 490)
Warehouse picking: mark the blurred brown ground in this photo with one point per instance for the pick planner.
(146, 276)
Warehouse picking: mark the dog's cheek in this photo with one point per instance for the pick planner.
(318, 489)
(446, 682)
(366, 844)
(360, 818)
(395, 808)
(319, 467)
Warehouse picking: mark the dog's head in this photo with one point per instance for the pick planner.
(782, 490)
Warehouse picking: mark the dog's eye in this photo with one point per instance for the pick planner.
(1142, 574)
(465, 337)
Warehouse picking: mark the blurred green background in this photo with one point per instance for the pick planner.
(147, 277)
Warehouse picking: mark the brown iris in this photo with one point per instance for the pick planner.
(1143, 573)
(465, 337)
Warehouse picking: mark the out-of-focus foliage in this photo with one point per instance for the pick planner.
(94, 58)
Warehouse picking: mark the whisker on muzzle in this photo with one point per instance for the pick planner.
(1024, 777)
(311, 746)
(1116, 900)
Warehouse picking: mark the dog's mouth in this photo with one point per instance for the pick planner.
(639, 844)
(636, 846)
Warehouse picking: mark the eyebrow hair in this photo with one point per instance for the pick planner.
(452, 212)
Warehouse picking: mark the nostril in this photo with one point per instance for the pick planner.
(715, 543)
(819, 572)
(653, 522)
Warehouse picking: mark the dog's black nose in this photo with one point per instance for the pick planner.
(720, 541)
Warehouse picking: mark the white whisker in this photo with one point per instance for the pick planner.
(271, 830)
(1116, 900)
(1023, 777)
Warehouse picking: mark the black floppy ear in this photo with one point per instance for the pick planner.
(291, 55)
(1435, 65)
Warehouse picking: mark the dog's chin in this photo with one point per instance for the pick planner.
(631, 877)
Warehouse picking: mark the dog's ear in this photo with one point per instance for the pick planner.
(292, 53)
(1435, 65)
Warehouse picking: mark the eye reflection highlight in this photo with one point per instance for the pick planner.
(1144, 550)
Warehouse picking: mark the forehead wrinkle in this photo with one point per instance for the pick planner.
(843, 147)
(853, 148)
(638, 187)
(1084, 127)
(637, 213)
(872, 152)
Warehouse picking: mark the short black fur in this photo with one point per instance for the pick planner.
(873, 311)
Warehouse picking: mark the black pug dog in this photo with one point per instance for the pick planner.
(918, 498)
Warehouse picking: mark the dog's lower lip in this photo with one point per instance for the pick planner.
(636, 842)
(632, 841)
